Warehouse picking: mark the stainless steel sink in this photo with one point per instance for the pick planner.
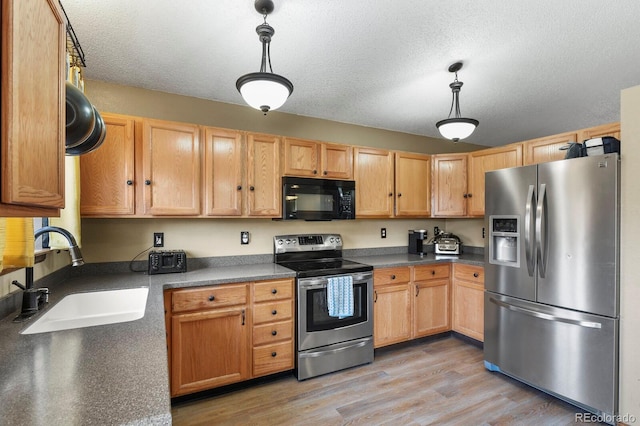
(89, 309)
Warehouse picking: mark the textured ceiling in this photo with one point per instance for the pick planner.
(531, 67)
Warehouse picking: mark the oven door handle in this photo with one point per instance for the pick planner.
(321, 282)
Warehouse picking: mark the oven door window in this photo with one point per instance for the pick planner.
(318, 318)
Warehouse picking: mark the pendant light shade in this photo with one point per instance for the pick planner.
(456, 128)
(264, 90)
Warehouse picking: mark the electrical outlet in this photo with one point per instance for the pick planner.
(158, 239)
(244, 237)
(483, 232)
(383, 232)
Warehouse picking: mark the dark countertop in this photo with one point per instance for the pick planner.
(107, 375)
(405, 259)
(117, 374)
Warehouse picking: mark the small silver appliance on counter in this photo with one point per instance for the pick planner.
(447, 243)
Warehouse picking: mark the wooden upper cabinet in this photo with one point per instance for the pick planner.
(301, 157)
(107, 175)
(484, 161)
(308, 158)
(170, 168)
(412, 184)
(263, 176)
(449, 186)
(336, 161)
(611, 129)
(546, 149)
(374, 182)
(33, 115)
(223, 161)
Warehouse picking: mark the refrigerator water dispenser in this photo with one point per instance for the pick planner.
(504, 240)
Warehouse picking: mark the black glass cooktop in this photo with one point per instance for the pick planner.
(322, 267)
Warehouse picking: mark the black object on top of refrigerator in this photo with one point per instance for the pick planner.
(552, 278)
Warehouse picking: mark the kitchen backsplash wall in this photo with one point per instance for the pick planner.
(55, 260)
(111, 240)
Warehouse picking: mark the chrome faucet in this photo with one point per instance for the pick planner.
(34, 299)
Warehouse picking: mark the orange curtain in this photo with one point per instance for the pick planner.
(18, 242)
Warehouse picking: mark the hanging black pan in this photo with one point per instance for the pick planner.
(94, 140)
(80, 117)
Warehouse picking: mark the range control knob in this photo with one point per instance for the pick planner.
(331, 240)
(279, 242)
(337, 240)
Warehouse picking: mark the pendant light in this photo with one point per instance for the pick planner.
(456, 128)
(264, 90)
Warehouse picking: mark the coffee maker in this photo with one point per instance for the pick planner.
(417, 241)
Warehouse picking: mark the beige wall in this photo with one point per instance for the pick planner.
(630, 255)
(108, 97)
(106, 240)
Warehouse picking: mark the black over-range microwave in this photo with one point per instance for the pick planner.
(318, 199)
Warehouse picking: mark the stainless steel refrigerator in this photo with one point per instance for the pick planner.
(552, 278)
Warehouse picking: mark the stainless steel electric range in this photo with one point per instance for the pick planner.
(327, 343)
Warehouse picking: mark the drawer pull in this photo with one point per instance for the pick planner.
(433, 272)
(274, 332)
(274, 291)
(212, 298)
(475, 275)
(274, 312)
(273, 354)
(393, 277)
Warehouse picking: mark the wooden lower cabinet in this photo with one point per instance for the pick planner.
(272, 327)
(432, 301)
(410, 302)
(468, 300)
(223, 334)
(209, 349)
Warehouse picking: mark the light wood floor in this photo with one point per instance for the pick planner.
(433, 382)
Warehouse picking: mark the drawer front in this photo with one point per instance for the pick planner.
(208, 297)
(270, 312)
(273, 358)
(271, 333)
(273, 290)
(469, 273)
(430, 272)
(391, 275)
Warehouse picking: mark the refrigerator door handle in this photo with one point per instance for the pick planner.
(528, 237)
(541, 233)
(545, 316)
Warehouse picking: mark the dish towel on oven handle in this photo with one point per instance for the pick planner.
(340, 296)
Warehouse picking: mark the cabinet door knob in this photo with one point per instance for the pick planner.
(212, 298)
(239, 187)
(273, 354)
(274, 291)
(433, 272)
(325, 173)
(465, 195)
(475, 274)
(399, 194)
(315, 172)
(274, 312)
(469, 195)
(147, 182)
(274, 332)
(393, 277)
(391, 194)
(129, 182)
(252, 188)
